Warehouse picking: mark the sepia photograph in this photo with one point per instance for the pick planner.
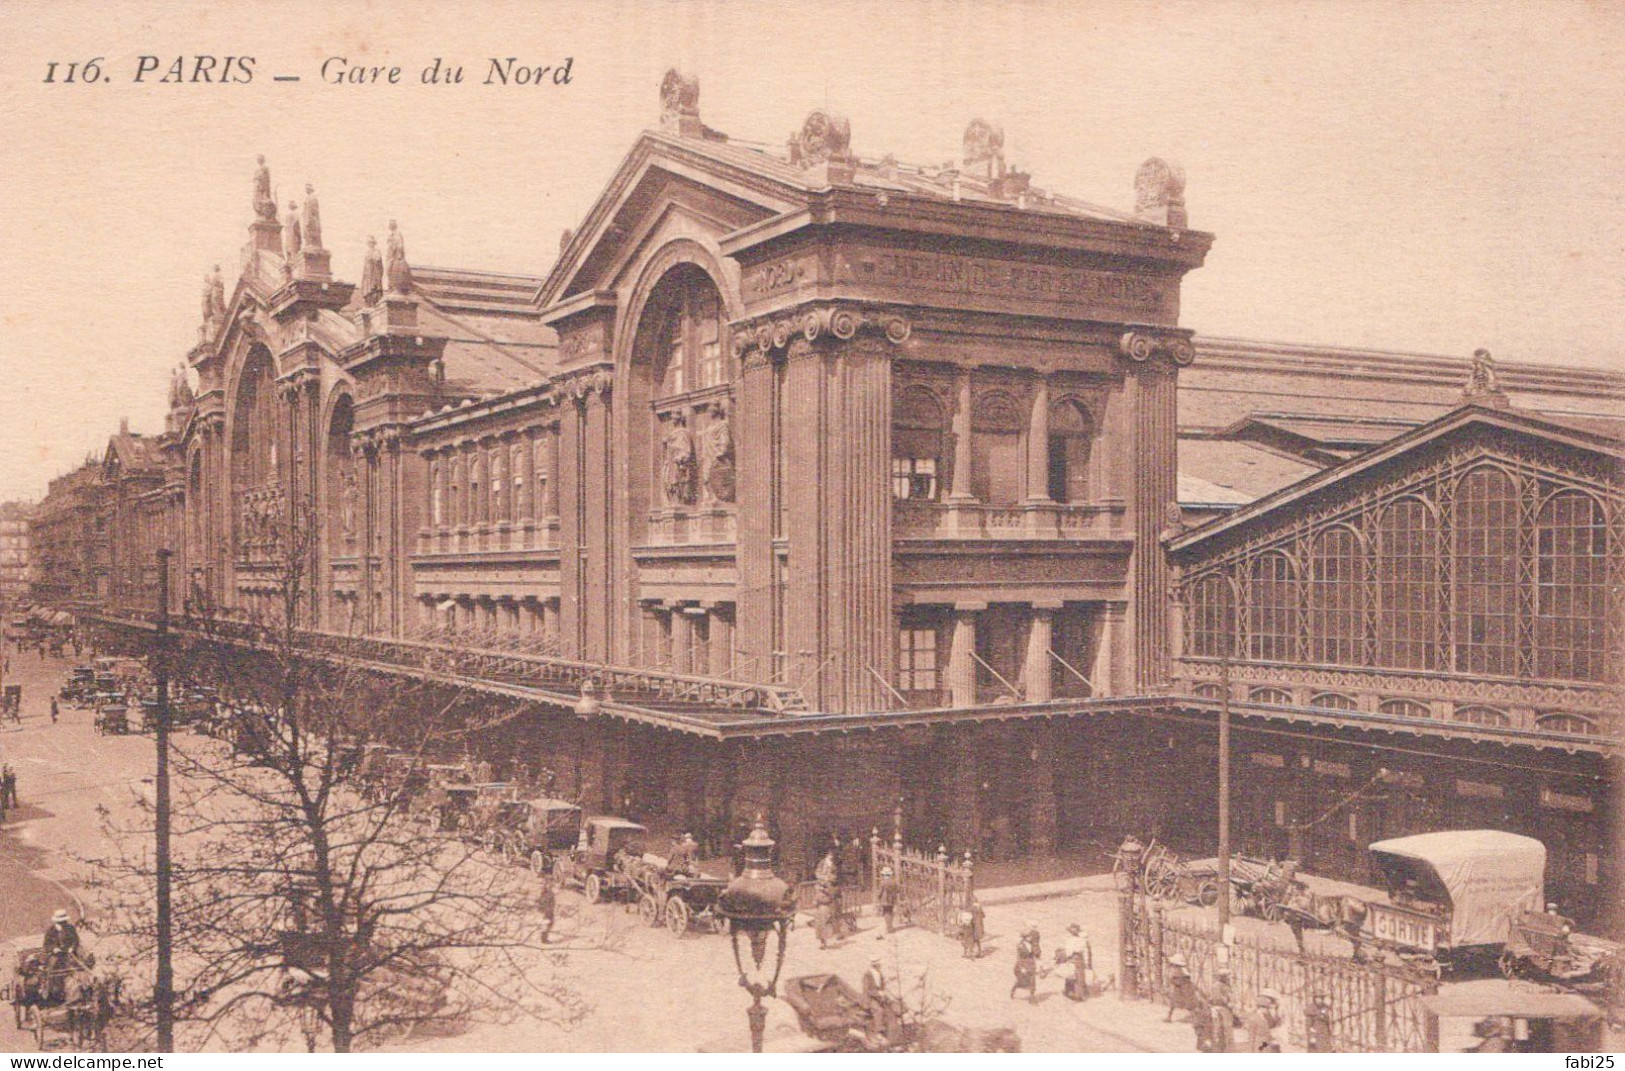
(690, 526)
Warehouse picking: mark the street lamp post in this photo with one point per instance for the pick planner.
(164, 984)
(758, 909)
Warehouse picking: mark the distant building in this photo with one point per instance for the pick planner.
(16, 558)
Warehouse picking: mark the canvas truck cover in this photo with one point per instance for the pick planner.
(1486, 875)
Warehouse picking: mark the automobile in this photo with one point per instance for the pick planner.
(592, 862)
(1453, 895)
(1521, 1018)
(534, 832)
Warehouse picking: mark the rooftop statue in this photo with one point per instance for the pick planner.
(397, 273)
(217, 295)
(1159, 192)
(823, 137)
(372, 273)
(291, 242)
(264, 203)
(312, 219)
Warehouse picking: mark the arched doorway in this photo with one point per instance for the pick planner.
(256, 491)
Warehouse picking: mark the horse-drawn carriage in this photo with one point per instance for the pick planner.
(533, 831)
(112, 719)
(841, 1019)
(592, 862)
(64, 996)
(673, 897)
(467, 808)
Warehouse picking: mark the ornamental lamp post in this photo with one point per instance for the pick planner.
(758, 907)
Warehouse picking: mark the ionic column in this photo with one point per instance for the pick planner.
(960, 491)
(1037, 672)
(962, 656)
(682, 641)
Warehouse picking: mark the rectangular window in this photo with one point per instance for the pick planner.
(539, 490)
(914, 478)
(917, 660)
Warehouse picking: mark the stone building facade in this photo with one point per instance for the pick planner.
(16, 556)
(924, 449)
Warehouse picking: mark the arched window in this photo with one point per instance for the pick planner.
(1274, 696)
(539, 492)
(476, 488)
(1481, 715)
(1071, 436)
(516, 473)
(1272, 609)
(499, 483)
(1407, 586)
(344, 505)
(1336, 628)
(1485, 551)
(1213, 617)
(996, 474)
(690, 342)
(1573, 724)
(1571, 598)
(1333, 701)
(1208, 690)
(917, 430)
(1404, 708)
(437, 493)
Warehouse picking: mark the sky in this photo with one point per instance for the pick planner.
(1429, 177)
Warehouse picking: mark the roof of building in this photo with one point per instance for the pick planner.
(1584, 434)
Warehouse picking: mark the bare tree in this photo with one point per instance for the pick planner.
(301, 906)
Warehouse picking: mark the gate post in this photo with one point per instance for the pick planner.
(1382, 1011)
(944, 916)
(1127, 960)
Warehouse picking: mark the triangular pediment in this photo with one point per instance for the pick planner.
(665, 182)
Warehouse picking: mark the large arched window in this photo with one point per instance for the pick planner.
(1071, 436)
(1573, 724)
(1485, 550)
(476, 488)
(1275, 696)
(917, 430)
(1336, 629)
(1213, 618)
(499, 483)
(520, 503)
(690, 341)
(1571, 598)
(343, 495)
(1272, 609)
(1407, 586)
(437, 493)
(1333, 701)
(996, 472)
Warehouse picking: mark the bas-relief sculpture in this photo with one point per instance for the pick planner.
(717, 457)
(677, 463)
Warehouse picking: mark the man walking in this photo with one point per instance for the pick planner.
(886, 899)
(8, 785)
(53, 710)
(1027, 953)
(547, 904)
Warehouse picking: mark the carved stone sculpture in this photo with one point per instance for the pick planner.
(372, 273)
(397, 273)
(208, 298)
(348, 503)
(1159, 193)
(679, 96)
(717, 458)
(677, 463)
(823, 138)
(984, 144)
(1484, 383)
(291, 241)
(312, 219)
(264, 204)
(217, 295)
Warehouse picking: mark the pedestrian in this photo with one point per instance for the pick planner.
(1262, 1021)
(1075, 958)
(886, 899)
(8, 785)
(882, 1007)
(972, 927)
(824, 912)
(547, 904)
(1317, 1024)
(1222, 1009)
(53, 710)
(1027, 952)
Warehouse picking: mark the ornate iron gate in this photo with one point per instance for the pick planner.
(1373, 1007)
(932, 889)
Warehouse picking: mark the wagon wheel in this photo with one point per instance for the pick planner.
(678, 914)
(1207, 893)
(649, 908)
(594, 888)
(538, 864)
(1162, 880)
(1270, 911)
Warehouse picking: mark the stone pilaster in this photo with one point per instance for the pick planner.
(962, 656)
(1037, 669)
